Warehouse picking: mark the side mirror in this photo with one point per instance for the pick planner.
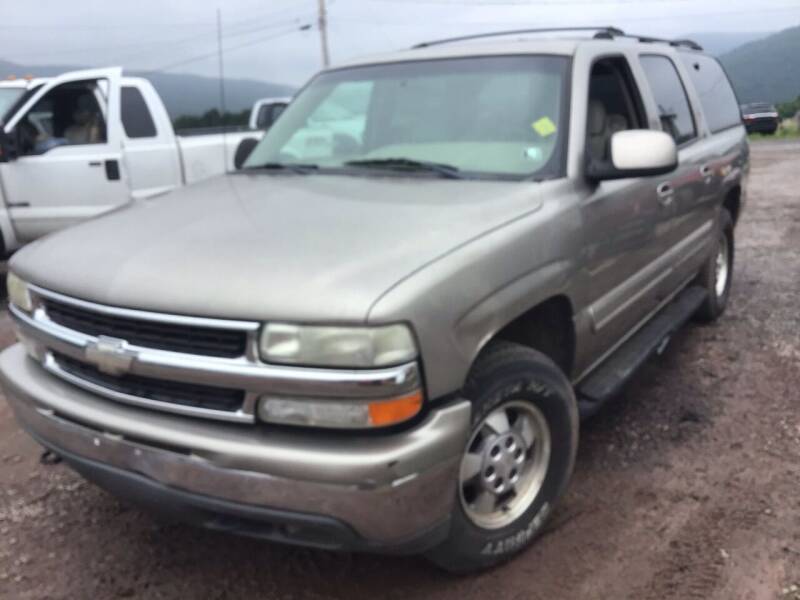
(8, 149)
(636, 153)
(243, 151)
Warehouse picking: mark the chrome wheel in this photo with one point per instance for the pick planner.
(723, 265)
(505, 464)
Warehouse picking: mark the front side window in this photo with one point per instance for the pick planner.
(492, 116)
(614, 105)
(8, 97)
(670, 96)
(714, 90)
(69, 114)
(18, 101)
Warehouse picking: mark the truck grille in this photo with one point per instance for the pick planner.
(189, 339)
(173, 392)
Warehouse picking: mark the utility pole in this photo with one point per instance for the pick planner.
(323, 33)
(222, 106)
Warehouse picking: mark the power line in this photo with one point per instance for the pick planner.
(622, 18)
(192, 59)
(245, 28)
(535, 4)
(145, 24)
(227, 36)
(109, 25)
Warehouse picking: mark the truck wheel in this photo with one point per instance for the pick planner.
(518, 460)
(717, 273)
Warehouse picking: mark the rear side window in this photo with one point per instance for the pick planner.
(670, 96)
(136, 118)
(267, 115)
(716, 94)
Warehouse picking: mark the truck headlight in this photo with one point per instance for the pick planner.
(327, 346)
(18, 293)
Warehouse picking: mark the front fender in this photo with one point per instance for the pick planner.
(458, 303)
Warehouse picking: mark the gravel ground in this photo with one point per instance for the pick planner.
(686, 487)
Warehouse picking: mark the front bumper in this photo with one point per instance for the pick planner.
(389, 491)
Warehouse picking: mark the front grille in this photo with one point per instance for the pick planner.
(189, 339)
(172, 392)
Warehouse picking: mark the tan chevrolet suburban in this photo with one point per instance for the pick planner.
(380, 334)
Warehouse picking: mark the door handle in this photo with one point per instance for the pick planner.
(95, 163)
(112, 170)
(706, 172)
(665, 193)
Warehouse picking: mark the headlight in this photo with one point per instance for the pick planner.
(337, 346)
(18, 293)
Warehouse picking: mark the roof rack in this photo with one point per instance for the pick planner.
(687, 44)
(601, 33)
(675, 43)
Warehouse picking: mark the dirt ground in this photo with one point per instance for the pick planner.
(687, 487)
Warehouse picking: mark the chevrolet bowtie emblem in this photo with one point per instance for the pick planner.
(110, 355)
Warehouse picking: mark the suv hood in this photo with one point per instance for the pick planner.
(283, 247)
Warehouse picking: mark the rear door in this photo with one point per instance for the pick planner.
(150, 150)
(686, 196)
(69, 166)
(723, 146)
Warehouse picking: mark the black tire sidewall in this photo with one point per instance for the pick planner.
(715, 305)
(530, 377)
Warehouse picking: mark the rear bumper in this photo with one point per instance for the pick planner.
(761, 125)
(390, 491)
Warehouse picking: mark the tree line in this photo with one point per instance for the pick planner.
(789, 109)
(213, 118)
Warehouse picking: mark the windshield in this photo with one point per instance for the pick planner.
(8, 96)
(490, 116)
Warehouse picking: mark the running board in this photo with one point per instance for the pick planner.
(607, 380)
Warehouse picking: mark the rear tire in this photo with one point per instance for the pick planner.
(518, 461)
(716, 275)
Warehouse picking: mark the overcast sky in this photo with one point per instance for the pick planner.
(262, 38)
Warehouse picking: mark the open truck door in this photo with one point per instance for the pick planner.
(67, 161)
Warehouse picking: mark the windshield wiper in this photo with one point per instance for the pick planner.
(408, 164)
(300, 168)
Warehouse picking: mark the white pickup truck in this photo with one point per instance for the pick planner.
(85, 142)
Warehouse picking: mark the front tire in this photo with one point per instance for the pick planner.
(518, 460)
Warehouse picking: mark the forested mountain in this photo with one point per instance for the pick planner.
(182, 94)
(767, 69)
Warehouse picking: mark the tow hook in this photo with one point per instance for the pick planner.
(48, 457)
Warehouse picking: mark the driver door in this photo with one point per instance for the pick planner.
(69, 166)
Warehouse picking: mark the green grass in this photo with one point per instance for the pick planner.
(788, 129)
